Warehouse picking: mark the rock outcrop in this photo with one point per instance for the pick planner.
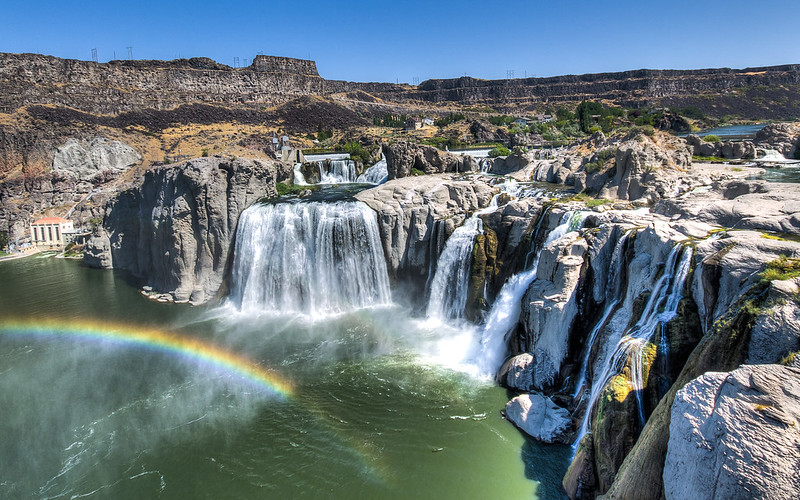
(87, 160)
(401, 157)
(782, 137)
(730, 150)
(175, 230)
(736, 435)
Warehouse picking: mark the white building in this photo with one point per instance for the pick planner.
(52, 232)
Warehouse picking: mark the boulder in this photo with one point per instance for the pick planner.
(736, 435)
(539, 417)
(520, 375)
(97, 251)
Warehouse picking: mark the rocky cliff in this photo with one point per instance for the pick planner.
(175, 229)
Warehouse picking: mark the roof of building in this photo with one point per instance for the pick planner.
(50, 220)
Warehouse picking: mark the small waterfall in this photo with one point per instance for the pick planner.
(376, 174)
(450, 285)
(312, 258)
(666, 296)
(299, 179)
(504, 315)
(613, 291)
(337, 171)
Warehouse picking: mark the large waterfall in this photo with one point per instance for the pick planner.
(313, 258)
(376, 174)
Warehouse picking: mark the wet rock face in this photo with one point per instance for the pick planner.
(175, 230)
(736, 435)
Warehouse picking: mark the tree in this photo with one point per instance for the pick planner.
(3, 239)
(585, 111)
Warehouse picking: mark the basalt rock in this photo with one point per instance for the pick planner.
(401, 157)
(175, 230)
(87, 160)
(782, 137)
(539, 417)
(736, 435)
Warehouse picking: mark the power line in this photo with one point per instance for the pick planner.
(94, 55)
(130, 53)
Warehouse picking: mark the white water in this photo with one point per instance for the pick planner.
(376, 174)
(613, 289)
(504, 315)
(666, 295)
(450, 285)
(337, 171)
(311, 258)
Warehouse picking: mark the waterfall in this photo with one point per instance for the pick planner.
(337, 171)
(299, 179)
(376, 174)
(450, 285)
(504, 315)
(666, 295)
(613, 292)
(313, 258)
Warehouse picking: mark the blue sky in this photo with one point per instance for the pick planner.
(406, 41)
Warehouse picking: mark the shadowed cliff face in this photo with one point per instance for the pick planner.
(175, 230)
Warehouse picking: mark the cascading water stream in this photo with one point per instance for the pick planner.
(666, 296)
(337, 171)
(613, 291)
(376, 174)
(313, 258)
(450, 285)
(504, 314)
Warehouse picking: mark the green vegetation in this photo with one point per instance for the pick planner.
(587, 112)
(416, 172)
(501, 120)
(711, 138)
(389, 120)
(782, 268)
(708, 159)
(204, 152)
(447, 120)
(499, 151)
(590, 201)
(691, 112)
(3, 239)
(283, 189)
(323, 134)
(649, 130)
(357, 151)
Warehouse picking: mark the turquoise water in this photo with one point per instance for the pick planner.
(374, 412)
(732, 131)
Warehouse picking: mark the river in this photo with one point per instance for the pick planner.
(107, 394)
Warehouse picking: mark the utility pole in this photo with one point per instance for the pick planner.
(130, 53)
(94, 55)
(236, 62)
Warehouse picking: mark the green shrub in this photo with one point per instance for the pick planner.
(204, 153)
(416, 172)
(357, 151)
(649, 130)
(607, 153)
(593, 166)
(595, 128)
(501, 120)
(711, 138)
(499, 151)
(782, 268)
(447, 120)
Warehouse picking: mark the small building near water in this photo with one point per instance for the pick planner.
(52, 232)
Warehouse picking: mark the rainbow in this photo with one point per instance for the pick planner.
(169, 342)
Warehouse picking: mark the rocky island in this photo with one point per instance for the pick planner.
(635, 289)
